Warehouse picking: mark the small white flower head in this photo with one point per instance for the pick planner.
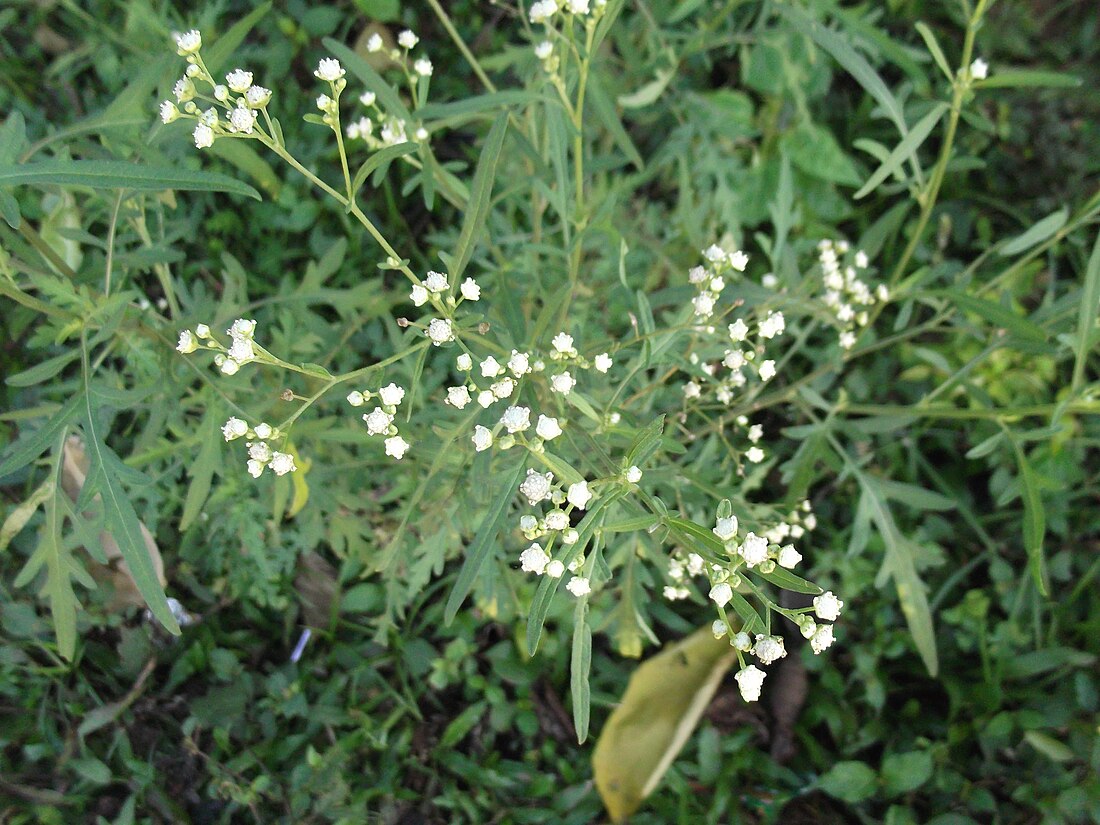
(242, 328)
(256, 468)
(482, 438)
(827, 606)
(754, 550)
(579, 586)
(168, 111)
(547, 428)
(391, 395)
(542, 10)
(714, 253)
(579, 495)
(423, 67)
(519, 363)
(570, 536)
(282, 463)
(739, 331)
(755, 455)
(464, 363)
(697, 274)
(239, 80)
(516, 419)
(544, 49)
(329, 69)
(326, 103)
(769, 281)
(822, 638)
(769, 648)
(721, 594)
(718, 627)
(187, 342)
(767, 370)
(695, 564)
(556, 520)
(188, 42)
(486, 398)
(503, 389)
(773, 325)
(470, 290)
(241, 350)
(788, 557)
(528, 523)
(221, 92)
(807, 627)
(750, 681)
(739, 260)
(184, 90)
(756, 432)
(703, 304)
(578, 6)
(847, 339)
(602, 362)
(367, 98)
(862, 260)
(259, 451)
(193, 70)
(562, 383)
(727, 528)
(396, 447)
(435, 282)
(203, 331)
(742, 641)
(692, 389)
(374, 44)
(230, 367)
(378, 421)
(458, 397)
(257, 96)
(563, 344)
(204, 136)
(241, 120)
(491, 368)
(734, 359)
(356, 398)
(418, 295)
(264, 430)
(440, 331)
(534, 559)
(407, 39)
(536, 487)
(633, 474)
(979, 69)
(234, 428)
(555, 569)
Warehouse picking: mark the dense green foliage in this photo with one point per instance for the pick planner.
(950, 456)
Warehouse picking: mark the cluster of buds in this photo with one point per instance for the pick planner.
(710, 279)
(379, 421)
(241, 350)
(846, 295)
(239, 100)
(757, 554)
(436, 288)
(392, 129)
(260, 454)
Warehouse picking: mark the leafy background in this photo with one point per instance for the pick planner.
(393, 712)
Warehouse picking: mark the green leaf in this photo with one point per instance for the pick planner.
(605, 110)
(380, 161)
(702, 540)
(916, 497)
(240, 154)
(9, 209)
(900, 566)
(646, 442)
(905, 772)
(786, 580)
(1086, 318)
(484, 542)
(854, 63)
(1014, 78)
(849, 781)
(43, 371)
(904, 150)
(477, 104)
(580, 665)
(1034, 518)
(27, 449)
(1049, 747)
(998, 315)
(649, 92)
(217, 55)
(814, 150)
(481, 189)
(934, 49)
(1042, 230)
(663, 702)
(117, 174)
(201, 469)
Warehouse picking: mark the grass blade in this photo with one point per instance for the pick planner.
(1086, 319)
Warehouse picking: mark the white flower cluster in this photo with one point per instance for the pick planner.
(760, 554)
(554, 525)
(392, 129)
(240, 100)
(846, 295)
(260, 454)
(558, 17)
(241, 351)
(379, 421)
(710, 279)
